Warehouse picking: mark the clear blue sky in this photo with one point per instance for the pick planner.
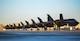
(15, 11)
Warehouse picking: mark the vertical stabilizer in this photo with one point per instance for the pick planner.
(11, 25)
(22, 23)
(7, 26)
(61, 17)
(33, 21)
(19, 24)
(40, 20)
(27, 22)
(14, 25)
(49, 18)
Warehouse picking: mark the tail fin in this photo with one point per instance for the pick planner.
(19, 24)
(27, 22)
(22, 24)
(11, 25)
(33, 21)
(14, 25)
(40, 20)
(49, 18)
(61, 17)
(7, 26)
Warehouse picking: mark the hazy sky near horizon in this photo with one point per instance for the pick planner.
(15, 11)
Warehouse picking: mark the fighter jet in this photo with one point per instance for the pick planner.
(19, 26)
(33, 25)
(49, 22)
(27, 24)
(61, 22)
(41, 23)
(14, 26)
(10, 26)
